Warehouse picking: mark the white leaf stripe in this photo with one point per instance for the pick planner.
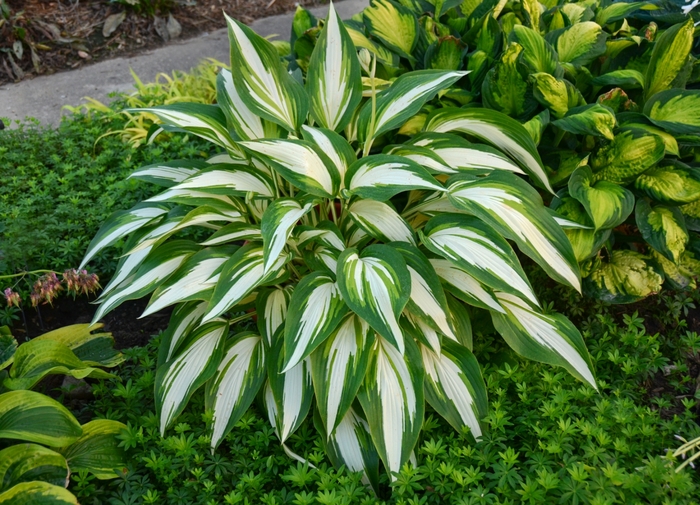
(392, 173)
(423, 332)
(248, 125)
(381, 221)
(234, 232)
(168, 174)
(422, 295)
(277, 223)
(297, 383)
(352, 445)
(229, 178)
(190, 197)
(183, 320)
(338, 150)
(272, 311)
(466, 285)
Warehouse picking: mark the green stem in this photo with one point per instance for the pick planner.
(245, 316)
(24, 273)
(335, 217)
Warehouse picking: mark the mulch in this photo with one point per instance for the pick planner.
(44, 36)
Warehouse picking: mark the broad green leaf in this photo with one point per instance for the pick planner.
(547, 338)
(239, 276)
(262, 82)
(515, 210)
(631, 153)
(454, 386)
(338, 368)
(31, 462)
(168, 173)
(333, 79)
(277, 224)
(394, 25)
(580, 44)
(671, 184)
(382, 176)
(98, 450)
(37, 493)
(246, 124)
(381, 221)
(626, 278)
(558, 95)
(271, 306)
(193, 366)
(624, 78)
(300, 162)
(497, 129)
(675, 110)
(537, 53)
(376, 285)
(392, 397)
(402, 100)
(669, 56)
(8, 347)
(338, 150)
(594, 119)
(617, 11)
(464, 286)
(33, 417)
(607, 204)
(238, 379)
(478, 250)
(663, 228)
(504, 89)
(315, 310)
(227, 179)
(447, 53)
(234, 232)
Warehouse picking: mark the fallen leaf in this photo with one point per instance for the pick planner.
(112, 23)
(83, 55)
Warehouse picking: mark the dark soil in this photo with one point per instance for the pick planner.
(64, 34)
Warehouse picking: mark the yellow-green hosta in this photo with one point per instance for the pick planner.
(360, 265)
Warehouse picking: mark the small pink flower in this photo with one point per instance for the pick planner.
(12, 298)
(46, 288)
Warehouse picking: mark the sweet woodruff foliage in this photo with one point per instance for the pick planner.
(362, 266)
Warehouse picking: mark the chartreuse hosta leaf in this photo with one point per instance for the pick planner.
(673, 183)
(454, 386)
(607, 204)
(580, 43)
(333, 79)
(624, 78)
(98, 449)
(548, 338)
(537, 53)
(238, 379)
(631, 153)
(28, 462)
(675, 110)
(392, 398)
(87, 342)
(514, 209)
(477, 249)
(663, 228)
(338, 368)
(276, 226)
(558, 95)
(495, 128)
(263, 84)
(195, 364)
(376, 285)
(669, 56)
(36, 492)
(393, 24)
(381, 221)
(626, 278)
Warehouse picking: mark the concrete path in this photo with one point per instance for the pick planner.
(44, 96)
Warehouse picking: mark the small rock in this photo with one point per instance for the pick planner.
(174, 27)
(112, 23)
(161, 27)
(76, 389)
(83, 55)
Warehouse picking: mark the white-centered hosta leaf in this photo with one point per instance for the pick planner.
(128, 264)
(195, 364)
(376, 285)
(607, 204)
(464, 286)
(338, 368)
(335, 147)
(515, 210)
(416, 328)
(195, 198)
(548, 338)
(246, 124)
(185, 318)
(325, 233)
(234, 232)
(271, 305)
(333, 79)
(262, 82)
(392, 397)
(300, 162)
(381, 221)
(497, 129)
(381, 176)
(168, 173)
(315, 310)
(277, 224)
(237, 381)
(225, 179)
(454, 386)
(479, 250)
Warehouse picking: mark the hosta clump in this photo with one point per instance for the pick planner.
(361, 267)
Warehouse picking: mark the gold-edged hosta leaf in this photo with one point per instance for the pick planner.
(234, 232)
(464, 286)
(300, 162)
(277, 223)
(547, 338)
(37, 492)
(246, 124)
(239, 276)
(87, 342)
(494, 128)
(271, 305)
(672, 184)
(558, 95)
(98, 449)
(669, 56)
(338, 150)
(402, 100)
(515, 210)
(607, 204)
(593, 119)
(631, 153)
(663, 228)
(225, 179)
(376, 285)
(333, 79)
(381, 176)
(479, 250)
(580, 43)
(454, 386)
(626, 278)
(315, 310)
(392, 397)
(31, 462)
(168, 173)
(262, 82)
(381, 221)
(338, 368)
(675, 110)
(394, 25)
(237, 381)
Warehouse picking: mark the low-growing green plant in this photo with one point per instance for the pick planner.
(600, 86)
(347, 290)
(29, 421)
(148, 7)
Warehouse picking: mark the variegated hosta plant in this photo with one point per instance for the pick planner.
(361, 267)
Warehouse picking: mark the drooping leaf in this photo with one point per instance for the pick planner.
(464, 286)
(227, 179)
(98, 449)
(594, 119)
(624, 78)
(168, 173)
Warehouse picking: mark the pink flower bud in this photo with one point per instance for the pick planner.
(12, 298)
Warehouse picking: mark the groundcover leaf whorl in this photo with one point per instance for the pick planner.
(361, 251)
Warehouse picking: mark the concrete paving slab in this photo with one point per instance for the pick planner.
(43, 97)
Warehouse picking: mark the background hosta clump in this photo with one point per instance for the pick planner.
(362, 267)
(608, 91)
